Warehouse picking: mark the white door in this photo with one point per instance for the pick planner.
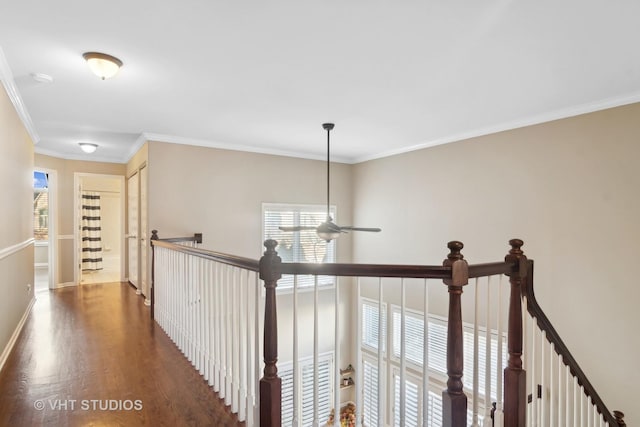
(144, 243)
(132, 235)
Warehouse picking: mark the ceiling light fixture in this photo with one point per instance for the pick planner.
(87, 147)
(102, 65)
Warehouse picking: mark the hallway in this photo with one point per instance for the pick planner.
(91, 356)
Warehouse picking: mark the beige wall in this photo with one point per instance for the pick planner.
(568, 188)
(16, 219)
(65, 171)
(220, 193)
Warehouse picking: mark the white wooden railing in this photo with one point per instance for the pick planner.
(209, 305)
(482, 329)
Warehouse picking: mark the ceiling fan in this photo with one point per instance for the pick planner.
(329, 230)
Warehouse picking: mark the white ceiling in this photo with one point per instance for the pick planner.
(264, 76)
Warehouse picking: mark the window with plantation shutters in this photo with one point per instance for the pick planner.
(298, 246)
(371, 322)
(370, 393)
(324, 392)
(306, 390)
(412, 401)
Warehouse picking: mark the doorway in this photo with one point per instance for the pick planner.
(44, 232)
(99, 214)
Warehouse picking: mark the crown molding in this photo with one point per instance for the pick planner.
(237, 147)
(590, 107)
(12, 91)
(140, 141)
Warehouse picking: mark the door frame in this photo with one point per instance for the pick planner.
(77, 238)
(52, 250)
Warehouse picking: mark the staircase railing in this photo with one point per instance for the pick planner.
(560, 392)
(209, 303)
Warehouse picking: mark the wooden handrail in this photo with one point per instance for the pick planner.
(233, 260)
(554, 338)
(367, 270)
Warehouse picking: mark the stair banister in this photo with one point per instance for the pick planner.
(515, 394)
(454, 401)
(270, 383)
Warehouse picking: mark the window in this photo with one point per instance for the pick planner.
(412, 401)
(414, 327)
(305, 390)
(371, 324)
(41, 206)
(300, 246)
(370, 393)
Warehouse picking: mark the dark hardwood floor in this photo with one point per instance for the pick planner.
(91, 356)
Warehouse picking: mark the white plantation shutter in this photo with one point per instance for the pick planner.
(305, 378)
(412, 402)
(286, 411)
(299, 246)
(434, 413)
(414, 339)
(324, 392)
(468, 359)
(370, 393)
(370, 322)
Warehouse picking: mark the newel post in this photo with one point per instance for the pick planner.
(154, 236)
(454, 401)
(270, 383)
(515, 394)
(619, 416)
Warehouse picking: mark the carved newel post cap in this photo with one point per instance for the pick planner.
(270, 244)
(154, 235)
(455, 247)
(516, 245)
(619, 418)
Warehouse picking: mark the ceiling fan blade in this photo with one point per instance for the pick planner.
(298, 228)
(374, 230)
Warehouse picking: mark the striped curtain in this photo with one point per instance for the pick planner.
(91, 232)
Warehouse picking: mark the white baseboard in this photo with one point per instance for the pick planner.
(64, 285)
(7, 350)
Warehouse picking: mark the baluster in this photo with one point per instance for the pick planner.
(270, 383)
(381, 321)
(235, 354)
(210, 280)
(487, 355)
(242, 394)
(316, 338)
(498, 414)
(228, 338)
(336, 362)
(359, 365)
(515, 392)
(256, 349)
(567, 381)
(552, 389)
(425, 356)
(543, 379)
(476, 353)
(217, 329)
(454, 401)
(403, 356)
(296, 405)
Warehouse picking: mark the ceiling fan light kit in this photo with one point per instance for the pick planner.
(329, 230)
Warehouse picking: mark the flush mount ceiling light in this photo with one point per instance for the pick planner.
(87, 147)
(102, 65)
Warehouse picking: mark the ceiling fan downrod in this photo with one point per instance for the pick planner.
(328, 127)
